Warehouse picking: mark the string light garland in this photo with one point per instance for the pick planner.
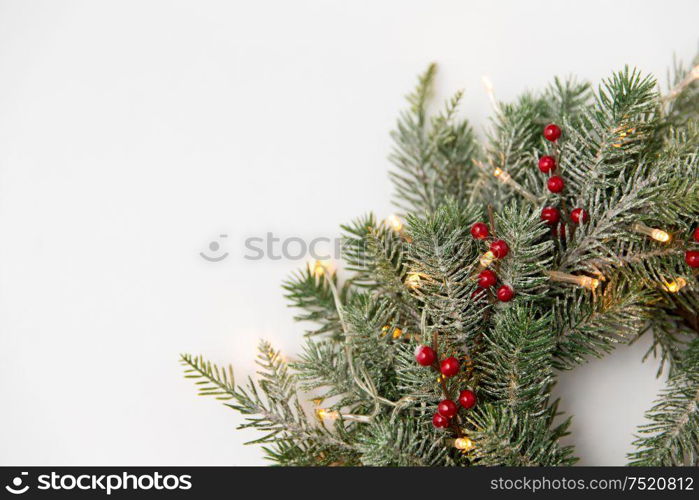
(506, 178)
(656, 234)
(579, 280)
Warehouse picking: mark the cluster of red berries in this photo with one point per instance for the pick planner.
(447, 409)
(547, 164)
(691, 257)
(555, 184)
(487, 278)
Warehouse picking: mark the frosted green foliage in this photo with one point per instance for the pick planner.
(629, 156)
(516, 363)
(509, 438)
(672, 437)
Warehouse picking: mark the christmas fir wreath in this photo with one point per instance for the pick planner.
(571, 229)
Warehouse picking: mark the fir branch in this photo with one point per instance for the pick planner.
(312, 294)
(506, 438)
(516, 364)
(672, 437)
(403, 443)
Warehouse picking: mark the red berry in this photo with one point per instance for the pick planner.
(560, 231)
(425, 355)
(551, 215)
(547, 164)
(449, 366)
(447, 408)
(696, 234)
(478, 295)
(505, 293)
(499, 248)
(479, 231)
(691, 257)
(439, 421)
(467, 399)
(552, 132)
(579, 215)
(555, 184)
(487, 278)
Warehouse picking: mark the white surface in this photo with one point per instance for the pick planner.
(132, 133)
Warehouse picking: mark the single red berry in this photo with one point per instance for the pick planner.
(552, 132)
(479, 231)
(505, 293)
(487, 278)
(449, 366)
(447, 408)
(550, 215)
(478, 295)
(555, 184)
(691, 257)
(560, 231)
(499, 248)
(579, 215)
(696, 234)
(425, 355)
(440, 421)
(467, 399)
(547, 164)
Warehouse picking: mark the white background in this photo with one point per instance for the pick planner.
(133, 133)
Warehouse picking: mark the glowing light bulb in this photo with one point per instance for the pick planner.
(580, 280)
(489, 90)
(464, 444)
(413, 280)
(656, 234)
(394, 223)
(324, 413)
(501, 175)
(320, 267)
(487, 258)
(676, 285)
(660, 235)
(397, 333)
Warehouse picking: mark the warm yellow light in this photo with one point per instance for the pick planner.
(676, 285)
(413, 280)
(580, 280)
(320, 267)
(589, 283)
(324, 413)
(656, 234)
(501, 175)
(394, 223)
(490, 91)
(660, 235)
(384, 330)
(397, 333)
(464, 444)
(441, 378)
(487, 258)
